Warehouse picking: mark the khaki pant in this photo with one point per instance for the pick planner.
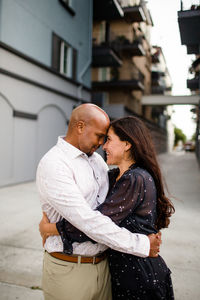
(64, 280)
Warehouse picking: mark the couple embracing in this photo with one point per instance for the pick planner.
(100, 227)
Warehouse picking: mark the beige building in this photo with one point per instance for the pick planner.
(125, 66)
(123, 73)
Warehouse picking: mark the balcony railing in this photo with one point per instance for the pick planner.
(131, 84)
(104, 56)
(136, 82)
(134, 14)
(133, 49)
(158, 83)
(193, 84)
(107, 10)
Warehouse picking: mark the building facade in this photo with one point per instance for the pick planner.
(124, 68)
(121, 70)
(45, 57)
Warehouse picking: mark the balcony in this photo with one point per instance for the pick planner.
(189, 26)
(104, 56)
(157, 90)
(193, 49)
(156, 75)
(158, 84)
(193, 84)
(107, 10)
(155, 58)
(128, 85)
(133, 49)
(196, 63)
(134, 14)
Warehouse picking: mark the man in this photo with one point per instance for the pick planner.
(72, 180)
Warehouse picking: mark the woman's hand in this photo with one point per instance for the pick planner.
(46, 228)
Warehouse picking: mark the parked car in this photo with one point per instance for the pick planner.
(189, 146)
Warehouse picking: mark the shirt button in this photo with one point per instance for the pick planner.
(98, 196)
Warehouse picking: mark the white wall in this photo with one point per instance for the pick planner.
(47, 132)
(24, 149)
(23, 141)
(6, 138)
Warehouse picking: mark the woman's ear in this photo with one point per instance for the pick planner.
(127, 146)
(80, 126)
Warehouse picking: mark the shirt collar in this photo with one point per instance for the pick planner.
(70, 150)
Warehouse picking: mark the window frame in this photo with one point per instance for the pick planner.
(58, 53)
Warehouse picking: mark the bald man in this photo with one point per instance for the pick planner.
(72, 181)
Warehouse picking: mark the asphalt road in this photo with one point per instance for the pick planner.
(21, 249)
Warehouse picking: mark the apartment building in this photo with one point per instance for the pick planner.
(125, 66)
(121, 70)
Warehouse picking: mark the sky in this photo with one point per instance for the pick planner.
(165, 33)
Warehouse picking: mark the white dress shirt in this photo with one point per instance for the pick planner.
(71, 185)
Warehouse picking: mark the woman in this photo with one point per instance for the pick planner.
(136, 201)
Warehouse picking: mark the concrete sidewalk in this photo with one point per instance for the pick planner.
(21, 248)
(181, 242)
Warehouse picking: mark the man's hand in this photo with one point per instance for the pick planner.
(46, 228)
(155, 242)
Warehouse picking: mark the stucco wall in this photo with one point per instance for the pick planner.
(27, 91)
(28, 26)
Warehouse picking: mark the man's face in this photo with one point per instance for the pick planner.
(93, 136)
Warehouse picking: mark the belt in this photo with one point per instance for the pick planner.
(79, 259)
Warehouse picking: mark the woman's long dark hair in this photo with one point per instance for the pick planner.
(134, 131)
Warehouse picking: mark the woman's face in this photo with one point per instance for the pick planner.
(115, 148)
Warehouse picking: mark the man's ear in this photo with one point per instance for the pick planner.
(80, 126)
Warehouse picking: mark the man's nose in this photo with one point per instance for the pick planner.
(101, 141)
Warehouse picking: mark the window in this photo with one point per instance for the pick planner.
(64, 57)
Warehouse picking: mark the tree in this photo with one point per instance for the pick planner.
(179, 136)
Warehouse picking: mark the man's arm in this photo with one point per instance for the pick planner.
(61, 192)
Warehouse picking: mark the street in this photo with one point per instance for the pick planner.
(21, 246)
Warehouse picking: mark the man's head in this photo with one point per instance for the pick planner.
(87, 128)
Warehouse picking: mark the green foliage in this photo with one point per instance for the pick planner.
(179, 136)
